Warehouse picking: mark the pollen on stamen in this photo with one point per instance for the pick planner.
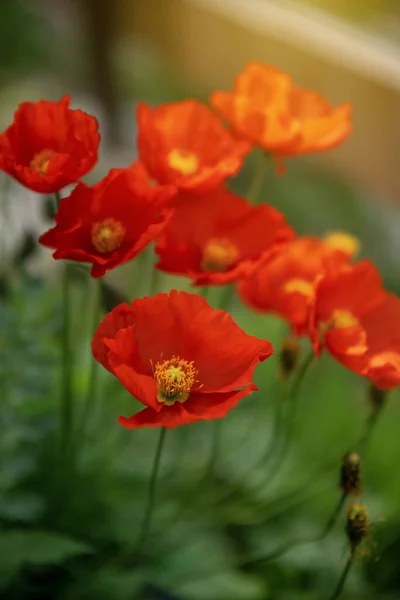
(41, 160)
(219, 255)
(107, 235)
(184, 161)
(175, 379)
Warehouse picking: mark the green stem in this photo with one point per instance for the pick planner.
(57, 200)
(152, 492)
(248, 561)
(290, 545)
(340, 585)
(215, 443)
(143, 274)
(155, 278)
(227, 494)
(365, 439)
(253, 194)
(66, 385)
(95, 311)
(335, 515)
(134, 277)
(225, 298)
(292, 405)
(66, 382)
(268, 511)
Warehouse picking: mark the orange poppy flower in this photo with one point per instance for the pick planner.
(185, 144)
(284, 284)
(218, 237)
(183, 360)
(348, 319)
(49, 146)
(109, 223)
(266, 108)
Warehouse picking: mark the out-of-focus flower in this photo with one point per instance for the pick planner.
(341, 241)
(266, 108)
(49, 146)
(185, 144)
(218, 237)
(284, 284)
(182, 359)
(358, 323)
(142, 174)
(109, 223)
(381, 362)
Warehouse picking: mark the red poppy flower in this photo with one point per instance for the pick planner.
(182, 359)
(344, 316)
(266, 108)
(141, 173)
(366, 340)
(49, 146)
(109, 223)
(218, 237)
(284, 283)
(185, 144)
(381, 362)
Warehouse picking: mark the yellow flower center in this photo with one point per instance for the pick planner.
(184, 161)
(41, 160)
(107, 235)
(219, 255)
(301, 286)
(343, 241)
(343, 318)
(174, 379)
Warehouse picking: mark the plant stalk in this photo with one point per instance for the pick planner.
(341, 583)
(152, 492)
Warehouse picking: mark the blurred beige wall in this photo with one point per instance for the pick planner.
(209, 46)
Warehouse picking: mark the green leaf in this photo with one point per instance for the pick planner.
(21, 507)
(18, 548)
(227, 586)
(107, 584)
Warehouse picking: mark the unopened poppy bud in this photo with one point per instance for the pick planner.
(350, 475)
(357, 526)
(289, 356)
(377, 398)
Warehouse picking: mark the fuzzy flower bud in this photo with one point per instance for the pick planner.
(357, 526)
(350, 475)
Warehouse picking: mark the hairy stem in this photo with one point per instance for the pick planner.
(253, 195)
(341, 583)
(152, 492)
(66, 381)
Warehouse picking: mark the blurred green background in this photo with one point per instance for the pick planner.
(71, 535)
